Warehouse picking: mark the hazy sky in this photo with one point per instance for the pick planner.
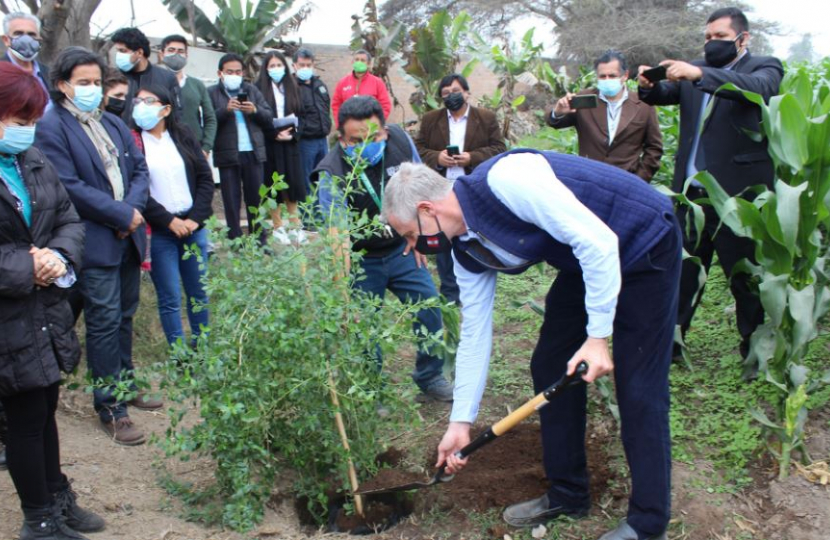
(330, 21)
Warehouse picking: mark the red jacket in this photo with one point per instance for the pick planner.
(368, 85)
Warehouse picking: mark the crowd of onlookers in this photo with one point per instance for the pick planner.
(103, 167)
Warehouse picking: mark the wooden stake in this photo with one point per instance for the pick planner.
(341, 427)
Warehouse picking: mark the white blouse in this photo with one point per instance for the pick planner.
(168, 177)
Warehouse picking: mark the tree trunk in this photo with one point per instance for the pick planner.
(65, 23)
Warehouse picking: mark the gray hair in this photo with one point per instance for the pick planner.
(16, 15)
(413, 183)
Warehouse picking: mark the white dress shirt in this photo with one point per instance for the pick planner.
(613, 114)
(168, 177)
(527, 185)
(279, 100)
(458, 131)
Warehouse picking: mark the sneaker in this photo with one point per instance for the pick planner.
(282, 236)
(123, 431)
(298, 236)
(77, 519)
(538, 512)
(438, 390)
(3, 464)
(144, 402)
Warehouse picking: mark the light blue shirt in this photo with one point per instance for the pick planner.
(243, 137)
(528, 187)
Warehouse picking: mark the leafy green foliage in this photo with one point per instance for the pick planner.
(287, 332)
(788, 228)
(508, 62)
(240, 28)
(434, 54)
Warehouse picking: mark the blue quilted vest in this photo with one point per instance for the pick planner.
(635, 211)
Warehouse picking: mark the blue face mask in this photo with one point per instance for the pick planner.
(87, 98)
(609, 87)
(305, 74)
(122, 61)
(371, 152)
(146, 116)
(276, 74)
(16, 139)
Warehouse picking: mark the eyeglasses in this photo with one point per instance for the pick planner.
(147, 100)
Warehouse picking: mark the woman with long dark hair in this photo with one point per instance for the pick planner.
(41, 247)
(181, 191)
(282, 143)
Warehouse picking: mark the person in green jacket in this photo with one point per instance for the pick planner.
(197, 108)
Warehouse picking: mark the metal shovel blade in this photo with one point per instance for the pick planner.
(438, 478)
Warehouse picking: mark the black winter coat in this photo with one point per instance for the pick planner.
(315, 117)
(226, 144)
(37, 336)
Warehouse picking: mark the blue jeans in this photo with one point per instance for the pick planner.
(110, 298)
(169, 265)
(312, 152)
(409, 283)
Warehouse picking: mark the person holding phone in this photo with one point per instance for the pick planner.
(282, 145)
(239, 148)
(454, 140)
(721, 144)
(619, 129)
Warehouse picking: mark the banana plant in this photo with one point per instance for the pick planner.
(789, 228)
(434, 53)
(508, 63)
(240, 28)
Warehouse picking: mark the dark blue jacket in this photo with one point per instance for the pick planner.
(66, 144)
(632, 209)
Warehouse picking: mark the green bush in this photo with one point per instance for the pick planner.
(286, 335)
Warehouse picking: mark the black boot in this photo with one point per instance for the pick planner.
(43, 524)
(78, 519)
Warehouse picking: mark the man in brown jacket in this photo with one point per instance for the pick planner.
(453, 140)
(621, 130)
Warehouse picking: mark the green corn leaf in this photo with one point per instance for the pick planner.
(773, 292)
(799, 374)
(791, 140)
(801, 307)
(788, 211)
(761, 417)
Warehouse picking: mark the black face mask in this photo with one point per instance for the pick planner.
(115, 105)
(719, 52)
(454, 101)
(432, 244)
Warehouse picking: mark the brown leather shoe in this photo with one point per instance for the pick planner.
(145, 402)
(123, 431)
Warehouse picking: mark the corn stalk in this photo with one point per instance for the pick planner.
(788, 226)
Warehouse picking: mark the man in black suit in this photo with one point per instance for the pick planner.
(721, 147)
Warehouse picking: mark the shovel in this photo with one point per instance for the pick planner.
(496, 430)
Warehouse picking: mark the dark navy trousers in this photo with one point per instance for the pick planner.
(642, 343)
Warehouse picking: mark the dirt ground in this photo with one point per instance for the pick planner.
(122, 484)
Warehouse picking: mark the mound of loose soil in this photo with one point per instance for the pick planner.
(510, 470)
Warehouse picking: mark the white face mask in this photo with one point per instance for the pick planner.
(232, 82)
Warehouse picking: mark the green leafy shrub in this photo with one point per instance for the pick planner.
(287, 334)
